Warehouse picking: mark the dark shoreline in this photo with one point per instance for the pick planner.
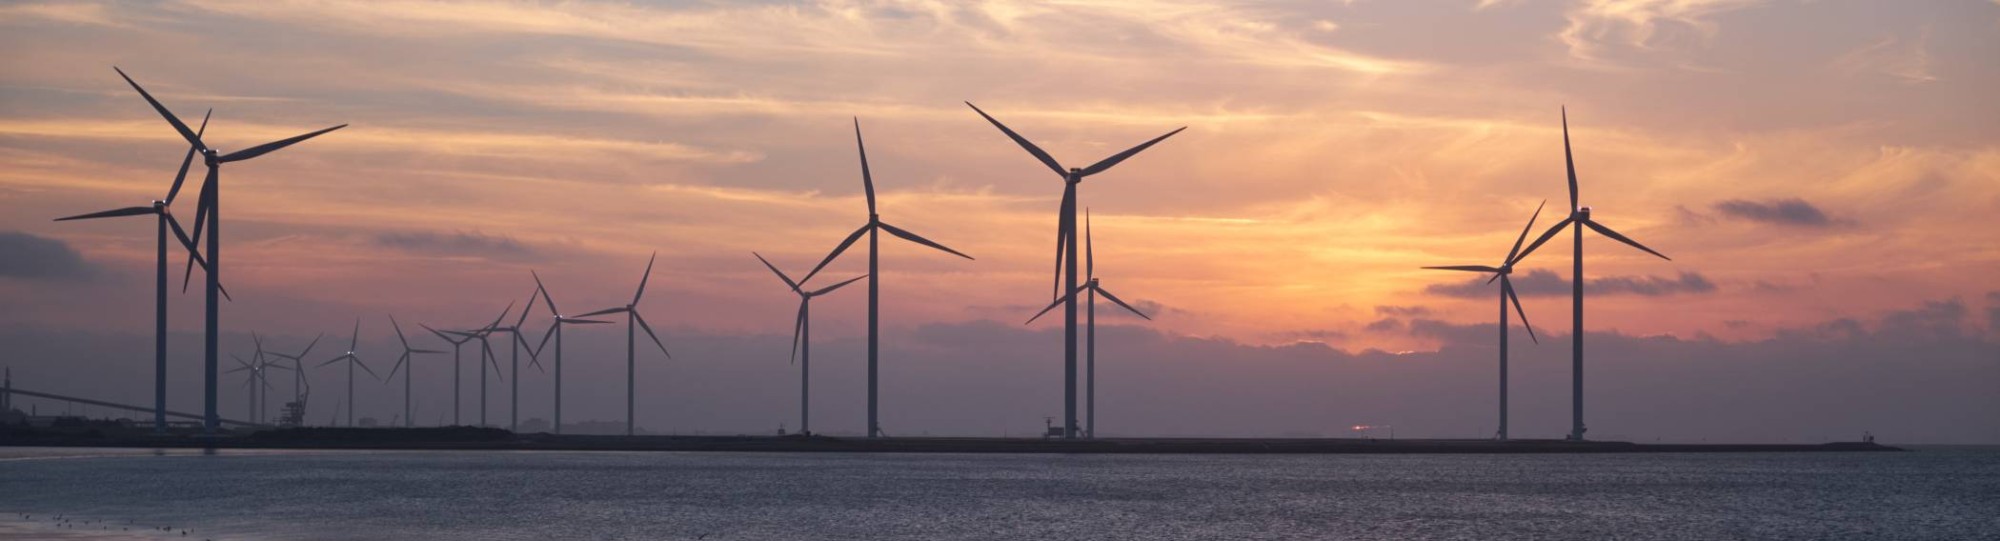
(474, 439)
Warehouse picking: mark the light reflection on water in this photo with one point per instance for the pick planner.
(1939, 494)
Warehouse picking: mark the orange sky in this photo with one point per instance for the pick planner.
(1331, 149)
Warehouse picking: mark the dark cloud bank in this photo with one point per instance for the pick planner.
(1546, 283)
(29, 257)
(1919, 375)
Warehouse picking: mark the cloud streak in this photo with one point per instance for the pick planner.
(1546, 283)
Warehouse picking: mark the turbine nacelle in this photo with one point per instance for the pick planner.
(210, 157)
(1583, 213)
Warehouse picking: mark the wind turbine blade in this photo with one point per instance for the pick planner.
(237, 369)
(545, 294)
(399, 332)
(912, 237)
(798, 329)
(1089, 249)
(1099, 167)
(530, 307)
(1569, 162)
(493, 360)
(1023, 141)
(829, 289)
(867, 180)
(1507, 286)
(1468, 268)
(400, 361)
(309, 347)
(585, 321)
(1524, 232)
(613, 310)
(186, 133)
(1606, 231)
(354, 339)
(649, 333)
(188, 161)
(1053, 305)
(266, 148)
(642, 280)
(113, 213)
(837, 250)
(1114, 298)
(537, 351)
(502, 316)
(774, 270)
(334, 360)
(1066, 213)
(534, 357)
(364, 368)
(440, 334)
(1544, 238)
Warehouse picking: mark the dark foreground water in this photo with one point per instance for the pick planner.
(1933, 494)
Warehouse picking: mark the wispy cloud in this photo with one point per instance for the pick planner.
(1546, 283)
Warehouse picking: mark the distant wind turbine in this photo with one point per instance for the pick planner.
(1093, 288)
(632, 317)
(555, 330)
(1580, 217)
(1065, 248)
(1503, 273)
(874, 224)
(300, 387)
(209, 209)
(409, 355)
(485, 355)
(802, 339)
(162, 210)
(516, 345)
(457, 345)
(353, 360)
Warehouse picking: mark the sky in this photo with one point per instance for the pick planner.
(1824, 174)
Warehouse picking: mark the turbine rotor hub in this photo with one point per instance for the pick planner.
(1583, 213)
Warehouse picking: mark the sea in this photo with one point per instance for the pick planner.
(1929, 493)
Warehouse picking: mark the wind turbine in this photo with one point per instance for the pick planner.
(1579, 216)
(802, 339)
(555, 330)
(300, 388)
(163, 214)
(353, 360)
(1507, 295)
(1065, 248)
(1093, 288)
(874, 224)
(456, 344)
(409, 354)
(255, 382)
(514, 395)
(632, 317)
(209, 209)
(485, 356)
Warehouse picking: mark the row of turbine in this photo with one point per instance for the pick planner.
(1066, 293)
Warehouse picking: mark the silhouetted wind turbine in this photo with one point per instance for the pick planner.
(517, 344)
(802, 339)
(1507, 295)
(255, 382)
(163, 214)
(1093, 288)
(209, 209)
(409, 355)
(485, 356)
(457, 344)
(300, 388)
(555, 330)
(874, 224)
(632, 316)
(1066, 248)
(353, 360)
(1580, 217)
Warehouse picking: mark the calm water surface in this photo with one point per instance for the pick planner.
(1933, 494)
